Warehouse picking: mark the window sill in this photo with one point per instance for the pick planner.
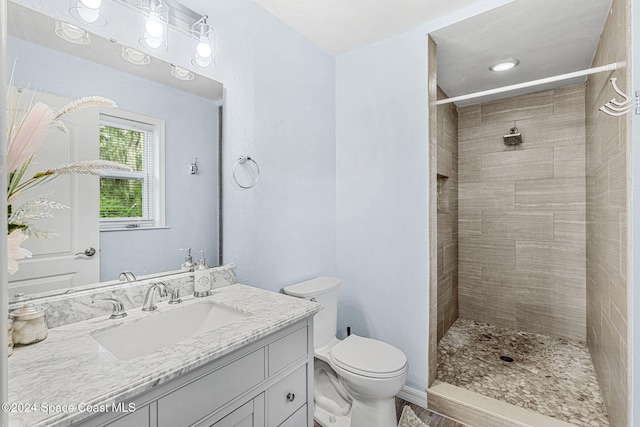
(164, 227)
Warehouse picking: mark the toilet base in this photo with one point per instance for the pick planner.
(378, 413)
(325, 419)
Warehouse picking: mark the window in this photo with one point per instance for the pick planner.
(132, 199)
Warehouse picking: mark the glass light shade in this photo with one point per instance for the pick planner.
(203, 56)
(155, 29)
(90, 12)
(135, 56)
(71, 33)
(181, 73)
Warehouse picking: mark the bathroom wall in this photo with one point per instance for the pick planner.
(447, 207)
(188, 118)
(607, 154)
(382, 190)
(280, 110)
(522, 213)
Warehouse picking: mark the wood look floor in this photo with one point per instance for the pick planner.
(430, 418)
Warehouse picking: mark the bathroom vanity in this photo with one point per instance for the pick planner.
(256, 370)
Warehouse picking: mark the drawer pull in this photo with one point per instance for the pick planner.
(291, 397)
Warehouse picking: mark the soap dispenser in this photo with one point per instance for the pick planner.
(188, 264)
(201, 278)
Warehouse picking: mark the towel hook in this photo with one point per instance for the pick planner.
(240, 161)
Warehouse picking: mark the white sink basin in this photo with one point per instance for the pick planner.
(143, 336)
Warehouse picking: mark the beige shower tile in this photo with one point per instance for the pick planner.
(469, 168)
(569, 161)
(445, 160)
(518, 108)
(469, 223)
(487, 195)
(518, 165)
(493, 254)
(552, 131)
(551, 194)
(468, 116)
(563, 260)
(618, 181)
(520, 225)
(552, 320)
(569, 227)
(569, 100)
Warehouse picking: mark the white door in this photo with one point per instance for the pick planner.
(59, 262)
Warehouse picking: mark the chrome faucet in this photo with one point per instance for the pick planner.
(118, 307)
(127, 276)
(175, 294)
(149, 303)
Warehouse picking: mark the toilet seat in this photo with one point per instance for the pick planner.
(368, 357)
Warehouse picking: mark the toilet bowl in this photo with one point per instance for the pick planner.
(355, 379)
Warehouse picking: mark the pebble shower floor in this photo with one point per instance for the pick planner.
(552, 376)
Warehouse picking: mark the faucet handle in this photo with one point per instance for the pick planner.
(175, 294)
(118, 307)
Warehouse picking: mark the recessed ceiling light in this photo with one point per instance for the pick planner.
(181, 73)
(505, 65)
(135, 56)
(71, 33)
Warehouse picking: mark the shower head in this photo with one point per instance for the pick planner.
(514, 137)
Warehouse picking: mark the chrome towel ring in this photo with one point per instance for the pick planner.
(242, 160)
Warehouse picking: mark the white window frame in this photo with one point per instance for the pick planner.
(154, 169)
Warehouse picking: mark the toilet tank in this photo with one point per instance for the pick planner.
(323, 290)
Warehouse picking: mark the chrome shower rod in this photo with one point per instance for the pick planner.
(610, 67)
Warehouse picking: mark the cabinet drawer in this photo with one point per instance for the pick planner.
(287, 396)
(195, 400)
(298, 419)
(287, 350)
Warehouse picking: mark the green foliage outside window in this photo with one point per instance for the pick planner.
(121, 197)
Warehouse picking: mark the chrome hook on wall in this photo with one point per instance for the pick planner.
(193, 167)
(615, 107)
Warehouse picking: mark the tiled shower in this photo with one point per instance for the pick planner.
(532, 237)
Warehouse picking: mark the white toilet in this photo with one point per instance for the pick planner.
(355, 379)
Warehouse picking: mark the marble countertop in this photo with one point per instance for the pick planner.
(71, 368)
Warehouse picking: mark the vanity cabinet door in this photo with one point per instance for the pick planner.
(287, 396)
(139, 418)
(251, 414)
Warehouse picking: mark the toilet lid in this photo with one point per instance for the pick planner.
(368, 357)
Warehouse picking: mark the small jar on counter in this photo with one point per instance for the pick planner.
(29, 325)
(10, 338)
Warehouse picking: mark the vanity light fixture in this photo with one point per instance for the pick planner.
(504, 65)
(71, 33)
(203, 56)
(135, 56)
(90, 12)
(155, 30)
(181, 73)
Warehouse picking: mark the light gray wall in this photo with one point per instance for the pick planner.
(191, 131)
(382, 190)
(382, 196)
(280, 110)
(3, 205)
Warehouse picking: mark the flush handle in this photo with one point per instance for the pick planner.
(88, 252)
(291, 397)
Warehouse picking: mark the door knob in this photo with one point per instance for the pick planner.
(88, 252)
(291, 397)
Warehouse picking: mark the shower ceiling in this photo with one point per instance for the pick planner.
(549, 37)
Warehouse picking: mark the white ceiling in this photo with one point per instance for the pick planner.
(549, 37)
(339, 26)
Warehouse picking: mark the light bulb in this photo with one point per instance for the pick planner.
(92, 4)
(152, 42)
(87, 14)
(153, 25)
(204, 48)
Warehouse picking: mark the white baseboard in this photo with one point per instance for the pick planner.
(414, 396)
